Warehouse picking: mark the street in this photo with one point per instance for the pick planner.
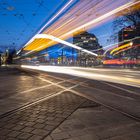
(41, 99)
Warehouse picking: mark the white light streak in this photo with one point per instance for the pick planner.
(60, 41)
(51, 20)
(84, 72)
(123, 7)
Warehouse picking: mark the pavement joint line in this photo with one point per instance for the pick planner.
(65, 118)
(69, 89)
(51, 83)
(60, 85)
(45, 97)
(107, 106)
(80, 83)
(108, 92)
(121, 88)
(37, 101)
(57, 84)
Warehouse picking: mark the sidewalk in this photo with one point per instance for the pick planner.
(68, 117)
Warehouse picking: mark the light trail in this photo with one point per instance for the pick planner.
(42, 36)
(73, 21)
(121, 47)
(112, 46)
(101, 17)
(52, 19)
(84, 72)
(125, 49)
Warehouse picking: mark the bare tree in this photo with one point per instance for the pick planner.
(131, 18)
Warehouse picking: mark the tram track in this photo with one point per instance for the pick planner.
(51, 95)
(101, 103)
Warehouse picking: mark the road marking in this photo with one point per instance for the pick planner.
(57, 84)
(122, 88)
(50, 84)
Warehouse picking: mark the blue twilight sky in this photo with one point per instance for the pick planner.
(21, 19)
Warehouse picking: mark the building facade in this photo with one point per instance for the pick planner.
(131, 35)
(89, 42)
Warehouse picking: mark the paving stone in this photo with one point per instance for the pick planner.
(2, 124)
(27, 129)
(9, 126)
(29, 123)
(38, 125)
(40, 121)
(40, 132)
(14, 134)
(58, 119)
(49, 127)
(36, 137)
(76, 138)
(60, 136)
(89, 137)
(50, 118)
(22, 122)
(41, 117)
(9, 139)
(48, 138)
(57, 130)
(18, 127)
(76, 133)
(4, 132)
(24, 136)
(2, 137)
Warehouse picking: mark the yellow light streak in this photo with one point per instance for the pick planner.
(77, 19)
(125, 49)
(44, 36)
(121, 47)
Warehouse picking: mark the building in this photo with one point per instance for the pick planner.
(89, 42)
(126, 35)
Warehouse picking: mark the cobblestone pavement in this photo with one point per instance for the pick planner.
(68, 117)
(18, 88)
(38, 121)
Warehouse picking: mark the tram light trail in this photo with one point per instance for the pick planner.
(44, 36)
(52, 19)
(74, 22)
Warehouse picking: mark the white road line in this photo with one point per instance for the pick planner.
(50, 84)
(129, 91)
(57, 84)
